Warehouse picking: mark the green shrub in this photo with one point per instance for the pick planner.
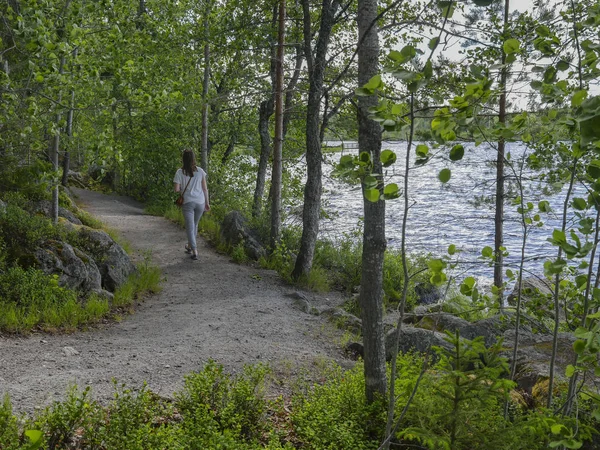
(31, 181)
(60, 421)
(336, 415)
(138, 422)
(22, 232)
(9, 430)
(30, 297)
(219, 408)
(238, 253)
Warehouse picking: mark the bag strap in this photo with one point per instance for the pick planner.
(188, 183)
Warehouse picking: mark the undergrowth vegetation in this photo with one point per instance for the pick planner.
(459, 405)
(32, 299)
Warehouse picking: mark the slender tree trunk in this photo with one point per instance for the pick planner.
(586, 305)
(557, 290)
(265, 111)
(278, 143)
(67, 155)
(499, 217)
(313, 187)
(374, 243)
(205, 82)
(55, 151)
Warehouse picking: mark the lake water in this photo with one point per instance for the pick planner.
(444, 214)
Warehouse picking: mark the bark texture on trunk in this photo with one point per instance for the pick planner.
(313, 187)
(276, 175)
(265, 111)
(499, 215)
(374, 243)
(205, 82)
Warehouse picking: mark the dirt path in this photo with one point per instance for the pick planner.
(208, 309)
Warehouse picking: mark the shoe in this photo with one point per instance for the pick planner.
(195, 257)
(188, 249)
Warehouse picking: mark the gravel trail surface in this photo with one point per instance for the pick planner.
(208, 309)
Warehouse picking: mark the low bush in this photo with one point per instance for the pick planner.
(336, 415)
(214, 404)
(458, 404)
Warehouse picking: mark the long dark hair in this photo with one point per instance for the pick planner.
(189, 162)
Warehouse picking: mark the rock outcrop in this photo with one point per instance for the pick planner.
(112, 261)
(75, 269)
(235, 230)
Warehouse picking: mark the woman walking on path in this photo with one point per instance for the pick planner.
(192, 180)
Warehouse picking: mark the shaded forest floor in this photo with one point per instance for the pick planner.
(208, 309)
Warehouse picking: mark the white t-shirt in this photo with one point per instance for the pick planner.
(194, 192)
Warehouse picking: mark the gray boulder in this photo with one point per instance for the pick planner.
(414, 339)
(75, 269)
(427, 294)
(114, 263)
(45, 207)
(534, 353)
(343, 319)
(411, 340)
(235, 230)
(536, 295)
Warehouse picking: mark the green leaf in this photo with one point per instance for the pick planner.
(511, 46)
(362, 92)
(433, 43)
(579, 346)
(422, 151)
(370, 182)
(457, 152)
(451, 249)
(372, 195)
(428, 70)
(346, 161)
(444, 175)
(578, 98)
(570, 371)
(579, 204)
(374, 83)
(388, 157)
(35, 439)
(593, 169)
(436, 265)
(544, 206)
(391, 191)
(558, 428)
(562, 65)
(365, 157)
(487, 252)
(483, 2)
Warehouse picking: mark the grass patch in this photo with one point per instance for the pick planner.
(31, 299)
(87, 219)
(145, 281)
